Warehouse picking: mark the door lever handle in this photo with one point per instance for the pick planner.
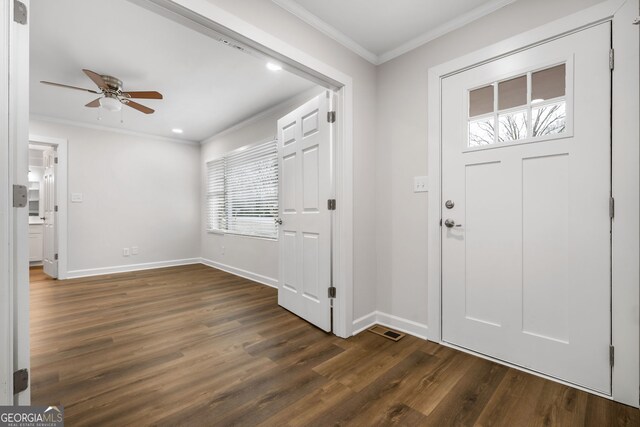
(278, 221)
(451, 223)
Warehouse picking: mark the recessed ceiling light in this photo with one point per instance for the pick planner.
(273, 67)
(176, 130)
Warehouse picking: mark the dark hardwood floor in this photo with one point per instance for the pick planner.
(196, 346)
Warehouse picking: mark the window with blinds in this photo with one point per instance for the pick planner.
(242, 192)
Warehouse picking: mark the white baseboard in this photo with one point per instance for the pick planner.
(269, 281)
(403, 325)
(73, 274)
(365, 322)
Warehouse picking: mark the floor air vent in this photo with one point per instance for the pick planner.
(386, 332)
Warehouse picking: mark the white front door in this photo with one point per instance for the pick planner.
(526, 222)
(50, 260)
(304, 156)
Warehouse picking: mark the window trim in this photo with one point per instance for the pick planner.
(568, 98)
(216, 231)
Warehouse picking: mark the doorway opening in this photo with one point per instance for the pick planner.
(189, 178)
(47, 192)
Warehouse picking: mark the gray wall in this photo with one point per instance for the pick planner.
(401, 147)
(137, 191)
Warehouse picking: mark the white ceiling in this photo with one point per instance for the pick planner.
(380, 30)
(207, 86)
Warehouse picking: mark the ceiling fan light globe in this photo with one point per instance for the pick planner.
(110, 104)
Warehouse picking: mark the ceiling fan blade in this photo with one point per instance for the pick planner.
(143, 95)
(97, 79)
(139, 107)
(69, 87)
(94, 104)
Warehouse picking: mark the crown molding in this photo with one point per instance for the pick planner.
(67, 122)
(445, 28)
(317, 23)
(294, 8)
(293, 102)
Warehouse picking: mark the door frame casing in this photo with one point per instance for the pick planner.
(62, 200)
(206, 17)
(6, 292)
(625, 174)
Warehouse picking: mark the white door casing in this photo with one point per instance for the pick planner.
(304, 158)
(526, 278)
(50, 235)
(6, 318)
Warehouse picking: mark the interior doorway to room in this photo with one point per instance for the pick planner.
(206, 98)
(46, 186)
(526, 190)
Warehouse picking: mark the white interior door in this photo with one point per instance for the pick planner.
(526, 223)
(304, 156)
(50, 261)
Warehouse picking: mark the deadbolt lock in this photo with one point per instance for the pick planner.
(449, 204)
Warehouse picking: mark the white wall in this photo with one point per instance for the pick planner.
(402, 147)
(254, 257)
(274, 20)
(138, 191)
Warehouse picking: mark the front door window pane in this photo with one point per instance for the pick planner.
(548, 84)
(481, 101)
(512, 93)
(549, 119)
(482, 132)
(513, 126)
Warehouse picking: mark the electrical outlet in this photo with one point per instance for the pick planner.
(134, 250)
(126, 252)
(222, 250)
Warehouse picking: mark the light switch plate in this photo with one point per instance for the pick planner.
(420, 184)
(76, 197)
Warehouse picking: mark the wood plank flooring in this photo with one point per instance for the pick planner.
(196, 346)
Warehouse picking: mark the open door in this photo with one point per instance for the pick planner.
(305, 186)
(14, 254)
(50, 236)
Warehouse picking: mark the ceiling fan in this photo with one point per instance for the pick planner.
(113, 97)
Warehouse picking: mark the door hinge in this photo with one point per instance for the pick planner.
(331, 204)
(612, 207)
(611, 59)
(20, 381)
(440, 222)
(19, 12)
(55, 208)
(55, 160)
(332, 292)
(331, 116)
(20, 196)
(55, 257)
(611, 355)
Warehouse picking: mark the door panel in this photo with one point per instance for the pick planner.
(50, 263)
(305, 246)
(526, 160)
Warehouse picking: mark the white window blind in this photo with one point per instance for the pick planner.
(242, 192)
